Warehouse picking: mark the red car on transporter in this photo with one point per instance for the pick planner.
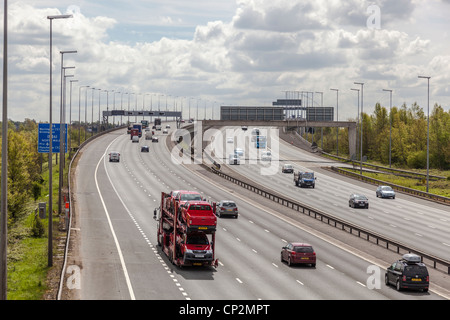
(298, 253)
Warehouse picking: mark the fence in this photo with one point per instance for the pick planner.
(418, 193)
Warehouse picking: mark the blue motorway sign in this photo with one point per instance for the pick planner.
(44, 138)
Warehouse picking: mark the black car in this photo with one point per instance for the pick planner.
(408, 273)
(287, 168)
(358, 200)
(145, 149)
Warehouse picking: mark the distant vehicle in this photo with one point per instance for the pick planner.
(298, 253)
(114, 156)
(135, 139)
(144, 124)
(244, 128)
(145, 149)
(227, 208)
(287, 168)
(134, 132)
(266, 156)
(304, 179)
(138, 126)
(385, 192)
(165, 131)
(239, 152)
(230, 140)
(358, 200)
(408, 273)
(183, 196)
(260, 142)
(167, 126)
(154, 139)
(148, 134)
(157, 125)
(233, 158)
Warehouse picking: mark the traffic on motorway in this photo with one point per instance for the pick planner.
(200, 224)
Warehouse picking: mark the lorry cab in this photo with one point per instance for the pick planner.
(304, 179)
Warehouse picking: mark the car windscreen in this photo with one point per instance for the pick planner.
(361, 197)
(197, 240)
(228, 204)
(416, 269)
(190, 197)
(303, 249)
(204, 207)
(386, 188)
(308, 175)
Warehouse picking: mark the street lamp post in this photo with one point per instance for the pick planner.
(357, 118)
(362, 122)
(390, 123)
(62, 128)
(79, 114)
(70, 113)
(4, 178)
(321, 128)
(337, 119)
(50, 152)
(428, 131)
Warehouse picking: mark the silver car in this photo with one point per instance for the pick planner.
(227, 208)
(385, 192)
(114, 156)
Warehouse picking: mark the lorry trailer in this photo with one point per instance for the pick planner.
(185, 235)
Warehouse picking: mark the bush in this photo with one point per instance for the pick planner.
(37, 227)
(417, 160)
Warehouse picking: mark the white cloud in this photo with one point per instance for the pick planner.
(266, 47)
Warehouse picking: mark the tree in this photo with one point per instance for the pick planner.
(439, 138)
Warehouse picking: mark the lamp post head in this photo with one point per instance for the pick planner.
(60, 16)
(70, 51)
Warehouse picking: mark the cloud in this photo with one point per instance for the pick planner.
(264, 48)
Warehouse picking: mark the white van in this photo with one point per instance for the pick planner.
(234, 159)
(135, 139)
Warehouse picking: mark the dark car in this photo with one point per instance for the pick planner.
(227, 208)
(287, 168)
(298, 253)
(358, 200)
(385, 192)
(154, 139)
(145, 149)
(408, 273)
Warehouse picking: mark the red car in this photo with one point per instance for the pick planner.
(298, 253)
(198, 215)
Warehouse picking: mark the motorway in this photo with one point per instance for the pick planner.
(421, 224)
(116, 237)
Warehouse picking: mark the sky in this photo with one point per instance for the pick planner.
(207, 53)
